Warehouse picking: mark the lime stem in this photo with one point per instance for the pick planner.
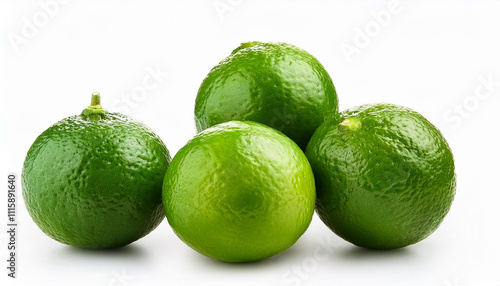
(351, 123)
(94, 111)
(96, 99)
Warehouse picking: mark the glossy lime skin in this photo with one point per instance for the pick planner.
(384, 174)
(276, 84)
(239, 192)
(95, 183)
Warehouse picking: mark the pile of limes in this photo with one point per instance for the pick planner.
(271, 148)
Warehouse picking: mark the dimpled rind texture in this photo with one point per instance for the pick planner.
(95, 183)
(388, 183)
(239, 192)
(276, 84)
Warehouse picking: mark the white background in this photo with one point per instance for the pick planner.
(434, 57)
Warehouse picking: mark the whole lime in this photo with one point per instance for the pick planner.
(94, 180)
(276, 84)
(239, 191)
(384, 174)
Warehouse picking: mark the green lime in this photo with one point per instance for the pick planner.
(276, 84)
(384, 174)
(239, 191)
(94, 180)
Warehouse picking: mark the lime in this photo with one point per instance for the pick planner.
(239, 191)
(94, 180)
(384, 174)
(276, 84)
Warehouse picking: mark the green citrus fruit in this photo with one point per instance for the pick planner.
(239, 191)
(94, 180)
(276, 84)
(384, 175)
